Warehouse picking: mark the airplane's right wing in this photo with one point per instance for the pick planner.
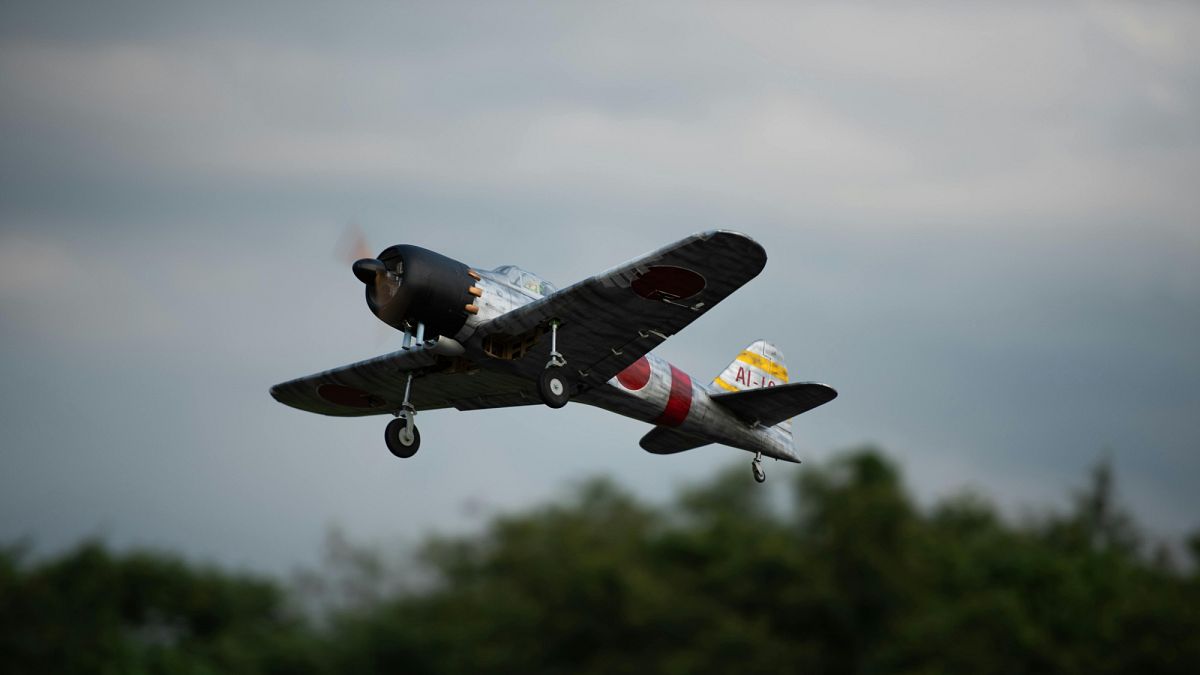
(612, 319)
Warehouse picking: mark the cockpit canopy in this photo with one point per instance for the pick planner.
(525, 280)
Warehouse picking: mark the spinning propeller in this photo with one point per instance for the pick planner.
(412, 288)
(381, 283)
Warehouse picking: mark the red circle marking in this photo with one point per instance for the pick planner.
(636, 375)
(348, 396)
(666, 280)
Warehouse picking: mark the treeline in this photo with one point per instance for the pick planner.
(853, 578)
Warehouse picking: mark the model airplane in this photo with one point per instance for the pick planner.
(506, 337)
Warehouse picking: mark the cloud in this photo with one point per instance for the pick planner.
(68, 295)
(769, 112)
(1163, 32)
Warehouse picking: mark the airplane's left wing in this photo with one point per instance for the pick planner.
(376, 386)
(611, 320)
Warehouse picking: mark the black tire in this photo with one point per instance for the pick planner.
(760, 476)
(554, 388)
(394, 437)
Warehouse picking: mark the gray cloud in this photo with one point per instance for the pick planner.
(981, 226)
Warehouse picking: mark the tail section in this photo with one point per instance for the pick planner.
(758, 366)
(755, 387)
(754, 390)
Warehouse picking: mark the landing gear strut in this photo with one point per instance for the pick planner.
(413, 338)
(756, 467)
(553, 386)
(401, 434)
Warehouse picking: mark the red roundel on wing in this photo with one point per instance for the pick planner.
(348, 396)
(636, 375)
(668, 281)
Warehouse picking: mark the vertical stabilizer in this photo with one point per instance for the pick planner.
(758, 366)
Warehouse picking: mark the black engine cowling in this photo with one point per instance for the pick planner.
(408, 284)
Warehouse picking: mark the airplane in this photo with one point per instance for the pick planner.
(475, 339)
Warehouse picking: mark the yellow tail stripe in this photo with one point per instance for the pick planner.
(762, 363)
(724, 385)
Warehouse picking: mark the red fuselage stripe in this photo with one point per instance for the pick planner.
(680, 400)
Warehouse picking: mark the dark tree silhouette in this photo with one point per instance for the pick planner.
(854, 577)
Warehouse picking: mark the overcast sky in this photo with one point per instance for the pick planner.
(982, 222)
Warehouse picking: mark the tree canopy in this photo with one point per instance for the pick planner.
(853, 577)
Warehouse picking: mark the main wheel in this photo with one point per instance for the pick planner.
(402, 443)
(554, 388)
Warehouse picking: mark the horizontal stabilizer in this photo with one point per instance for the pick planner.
(773, 405)
(667, 441)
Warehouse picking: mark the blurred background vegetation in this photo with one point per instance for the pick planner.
(851, 577)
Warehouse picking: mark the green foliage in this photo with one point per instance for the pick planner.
(91, 611)
(854, 578)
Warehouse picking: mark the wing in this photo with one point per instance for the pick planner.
(769, 406)
(376, 386)
(611, 320)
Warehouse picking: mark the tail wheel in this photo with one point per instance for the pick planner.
(756, 467)
(402, 441)
(554, 388)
